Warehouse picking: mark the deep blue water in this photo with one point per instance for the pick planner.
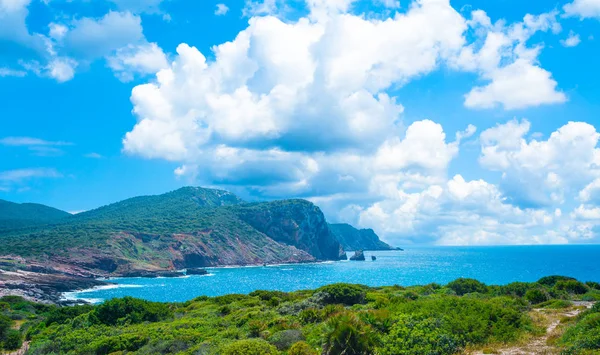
(492, 265)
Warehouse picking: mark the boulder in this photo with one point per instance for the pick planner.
(196, 271)
(373, 257)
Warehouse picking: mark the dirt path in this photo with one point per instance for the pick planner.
(539, 346)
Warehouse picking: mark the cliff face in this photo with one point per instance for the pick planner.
(358, 239)
(294, 222)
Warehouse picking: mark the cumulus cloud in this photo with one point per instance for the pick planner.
(141, 59)
(221, 9)
(572, 41)
(541, 172)
(583, 9)
(502, 58)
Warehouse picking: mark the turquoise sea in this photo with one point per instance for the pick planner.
(492, 265)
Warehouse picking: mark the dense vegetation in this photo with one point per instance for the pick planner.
(184, 210)
(20, 215)
(335, 319)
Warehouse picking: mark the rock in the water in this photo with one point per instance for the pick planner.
(343, 256)
(358, 256)
(373, 257)
(196, 271)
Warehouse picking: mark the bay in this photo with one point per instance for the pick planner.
(414, 266)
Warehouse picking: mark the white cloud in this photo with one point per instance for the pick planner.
(91, 38)
(94, 155)
(4, 72)
(583, 8)
(62, 69)
(137, 59)
(221, 9)
(502, 57)
(516, 86)
(19, 175)
(572, 41)
(30, 141)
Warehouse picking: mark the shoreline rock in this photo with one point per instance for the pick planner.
(359, 255)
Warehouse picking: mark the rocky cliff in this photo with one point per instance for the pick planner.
(357, 239)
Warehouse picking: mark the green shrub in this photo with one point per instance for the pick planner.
(571, 286)
(550, 281)
(536, 296)
(584, 336)
(416, 335)
(594, 285)
(518, 289)
(5, 324)
(349, 335)
(463, 286)
(284, 339)
(301, 348)
(12, 339)
(342, 293)
(130, 310)
(60, 315)
(249, 347)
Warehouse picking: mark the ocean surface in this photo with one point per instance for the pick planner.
(414, 266)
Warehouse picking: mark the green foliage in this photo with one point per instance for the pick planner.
(594, 285)
(130, 310)
(12, 339)
(343, 293)
(349, 335)
(249, 347)
(325, 321)
(60, 315)
(584, 336)
(536, 296)
(284, 339)
(416, 335)
(571, 286)
(20, 215)
(518, 289)
(301, 348)
(463, 286)
(550, 281)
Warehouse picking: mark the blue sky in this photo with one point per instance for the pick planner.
(463, 122)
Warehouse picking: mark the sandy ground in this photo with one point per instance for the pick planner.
(539, 346)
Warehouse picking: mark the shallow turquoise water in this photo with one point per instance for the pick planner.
(493, 265)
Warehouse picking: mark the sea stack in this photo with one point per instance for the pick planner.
(373, 257)
(358, 256)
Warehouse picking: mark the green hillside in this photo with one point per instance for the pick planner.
(20, 215)
(189, 227)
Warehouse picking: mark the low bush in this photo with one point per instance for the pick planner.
(571, 286)
(342, 293)
(536, 296)
(463, 286)
(249, 347)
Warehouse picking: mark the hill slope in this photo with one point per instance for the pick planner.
(189, 227)
(357, 239)
(19, 215)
